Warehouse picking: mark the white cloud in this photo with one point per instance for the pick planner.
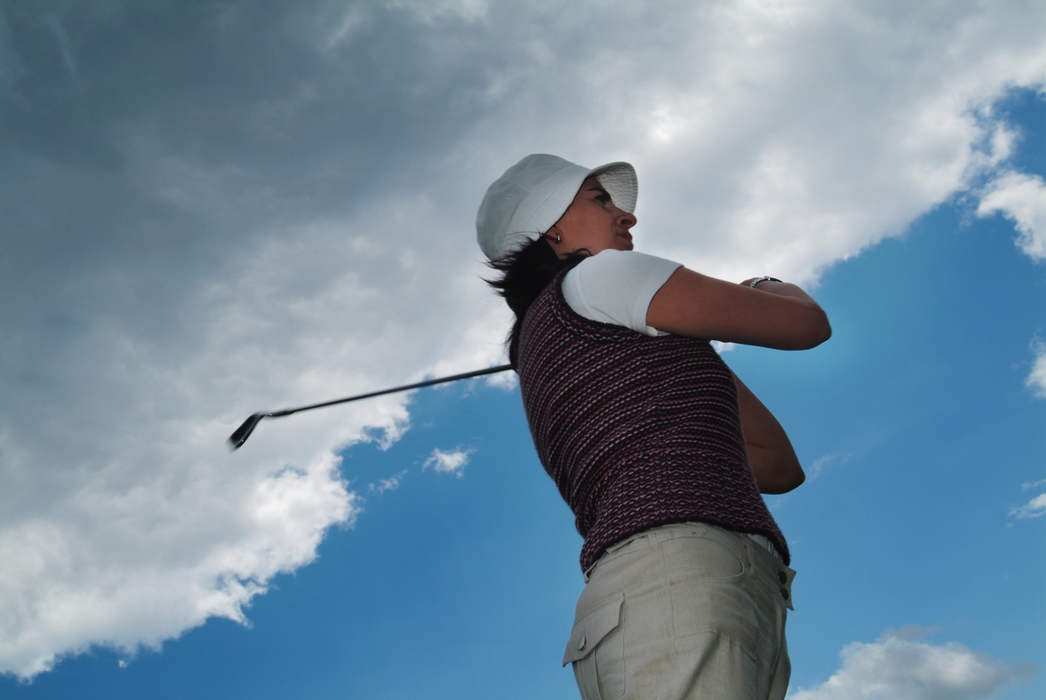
(828, 460)
(390, 484)
(452, 462)
(1021, 198)
(1032, 485)
(899, 668)
(1032, 509)
(179, 263)
(506, 381)
(1036, 380)
(94, 570)
(143, 525)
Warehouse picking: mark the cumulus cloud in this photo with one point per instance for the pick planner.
(245, 206)
(505, 381)
(452, 462)
(897, 667)
(1021, 198)
(128, 548)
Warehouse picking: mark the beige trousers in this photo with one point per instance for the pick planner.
(683, 611)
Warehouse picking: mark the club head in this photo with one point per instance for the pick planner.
(239, 437)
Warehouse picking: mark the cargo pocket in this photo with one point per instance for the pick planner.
(589, 630)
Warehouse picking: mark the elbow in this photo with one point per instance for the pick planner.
(815, 330)
(797, 480)
(823, 329)
(777, 470)
(786, 481)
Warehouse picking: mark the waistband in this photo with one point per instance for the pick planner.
(661, 532)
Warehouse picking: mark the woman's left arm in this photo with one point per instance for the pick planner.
(773, 459)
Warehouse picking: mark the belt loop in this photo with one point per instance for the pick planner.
(765, 542)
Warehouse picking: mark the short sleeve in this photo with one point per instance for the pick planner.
(616, 287)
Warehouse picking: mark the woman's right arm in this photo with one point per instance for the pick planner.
(774, 314)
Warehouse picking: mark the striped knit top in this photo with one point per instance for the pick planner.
(636, 431)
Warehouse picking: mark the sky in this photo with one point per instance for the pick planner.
(214, 208)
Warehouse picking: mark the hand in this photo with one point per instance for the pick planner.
(774, 463)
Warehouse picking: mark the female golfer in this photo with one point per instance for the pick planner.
(657, 447)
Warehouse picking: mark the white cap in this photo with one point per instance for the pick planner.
(532, 195)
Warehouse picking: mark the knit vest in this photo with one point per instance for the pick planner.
(636, 431)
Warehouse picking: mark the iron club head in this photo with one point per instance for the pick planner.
(239, 437)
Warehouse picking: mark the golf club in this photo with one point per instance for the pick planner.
(239, 437)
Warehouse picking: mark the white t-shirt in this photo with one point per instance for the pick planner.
(616, 287)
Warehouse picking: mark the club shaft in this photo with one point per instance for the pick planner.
(406, 387)
(243, 432)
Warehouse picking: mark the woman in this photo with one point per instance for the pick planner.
(657, 447)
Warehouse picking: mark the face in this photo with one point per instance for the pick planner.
(592, 222)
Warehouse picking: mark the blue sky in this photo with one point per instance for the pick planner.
(225, 208)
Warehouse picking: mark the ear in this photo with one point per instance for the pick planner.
(554, 237)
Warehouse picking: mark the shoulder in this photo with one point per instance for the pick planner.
(616, 287)
(617, 272)
(621, 262)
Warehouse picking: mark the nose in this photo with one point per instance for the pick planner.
(625, 219)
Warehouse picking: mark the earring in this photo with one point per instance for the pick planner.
(559, 237)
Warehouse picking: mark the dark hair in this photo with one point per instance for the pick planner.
(524, 275)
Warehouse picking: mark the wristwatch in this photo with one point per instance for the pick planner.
(764, 278)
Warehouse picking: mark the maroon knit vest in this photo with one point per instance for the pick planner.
(636, 431)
